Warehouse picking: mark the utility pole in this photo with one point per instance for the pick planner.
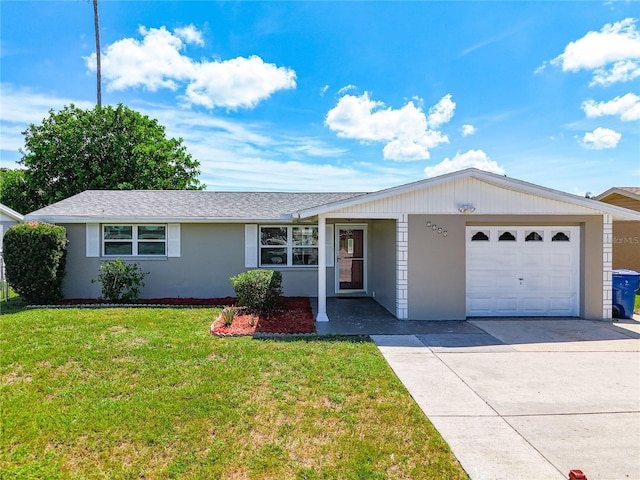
(99, 72)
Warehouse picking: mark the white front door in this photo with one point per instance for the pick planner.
(351, 268)
(523, 271)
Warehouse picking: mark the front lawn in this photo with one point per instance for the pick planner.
(147, 393)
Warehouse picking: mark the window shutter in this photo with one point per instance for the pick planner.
(173, 240)
(251, 245)
(92, 239)
(329, 245)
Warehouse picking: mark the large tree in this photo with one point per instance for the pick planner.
(103, 148)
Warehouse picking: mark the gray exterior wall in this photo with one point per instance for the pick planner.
(437, 268)
(437, 264)
(382, 261)
(5, 224)
(209, 255)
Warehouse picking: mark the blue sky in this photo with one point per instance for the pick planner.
(346, 96)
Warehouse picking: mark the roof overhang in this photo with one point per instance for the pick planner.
(73, 219)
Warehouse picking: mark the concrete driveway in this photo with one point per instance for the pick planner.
(529, 398)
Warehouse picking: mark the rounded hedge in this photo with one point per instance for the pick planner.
(35, 256)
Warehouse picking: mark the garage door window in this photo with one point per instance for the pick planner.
(507, 237)
(480, 237)
(560, 237)
(533, 237)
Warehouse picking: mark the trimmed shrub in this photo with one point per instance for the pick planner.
(35, 255)
(258, 290)
(120, 281)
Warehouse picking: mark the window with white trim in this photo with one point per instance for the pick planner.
(134, 240)
(288, 246)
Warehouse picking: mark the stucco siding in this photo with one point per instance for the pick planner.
(626, 245)
(210, 254)
(436, 268)
(383, 262)
(437, 265)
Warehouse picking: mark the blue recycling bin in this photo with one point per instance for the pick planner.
(625, 285)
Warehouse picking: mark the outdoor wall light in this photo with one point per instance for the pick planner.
(466, 209)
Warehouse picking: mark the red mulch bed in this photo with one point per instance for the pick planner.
(293, 315)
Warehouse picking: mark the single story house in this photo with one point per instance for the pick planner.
(626, 235)
(464, 244)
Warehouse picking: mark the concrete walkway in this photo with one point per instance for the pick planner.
(528, 399)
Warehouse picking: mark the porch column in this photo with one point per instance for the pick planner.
(321, 315)
(402, 266)
(607, 263)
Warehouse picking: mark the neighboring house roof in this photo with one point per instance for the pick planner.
(627, 197)
(9, 213)
(630, 192)
(181, 205)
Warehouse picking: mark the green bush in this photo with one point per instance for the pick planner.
(120, 281)
(35, 255)
(258, 290)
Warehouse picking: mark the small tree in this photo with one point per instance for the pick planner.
(258, 290)
(120, 281)
(35, 255)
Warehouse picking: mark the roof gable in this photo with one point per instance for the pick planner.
(488, 193)
(627, 197)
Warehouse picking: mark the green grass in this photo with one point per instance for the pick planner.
(147, 393)
(636, 307)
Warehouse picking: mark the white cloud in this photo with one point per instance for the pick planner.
(405, 131)
(239, 82)
(441, 112)
(468, 130)
(190, 34)
(613, 53)
(626, 107)
(600, 139)
(323, 90)
(158, 61)
(471, 159)
(346, 88)
(22, 106)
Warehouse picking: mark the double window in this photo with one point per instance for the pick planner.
(288, 245)
(134, 240)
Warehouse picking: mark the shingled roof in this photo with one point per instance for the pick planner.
(183, 205)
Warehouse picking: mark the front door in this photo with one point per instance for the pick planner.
(351, 268)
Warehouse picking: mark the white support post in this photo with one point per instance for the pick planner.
(402, 267)
(321, 315)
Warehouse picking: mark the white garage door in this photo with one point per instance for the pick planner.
(523, 271)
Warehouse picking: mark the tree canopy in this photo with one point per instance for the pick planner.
(102, 148)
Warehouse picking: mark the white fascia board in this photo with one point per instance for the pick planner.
(11, 213)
